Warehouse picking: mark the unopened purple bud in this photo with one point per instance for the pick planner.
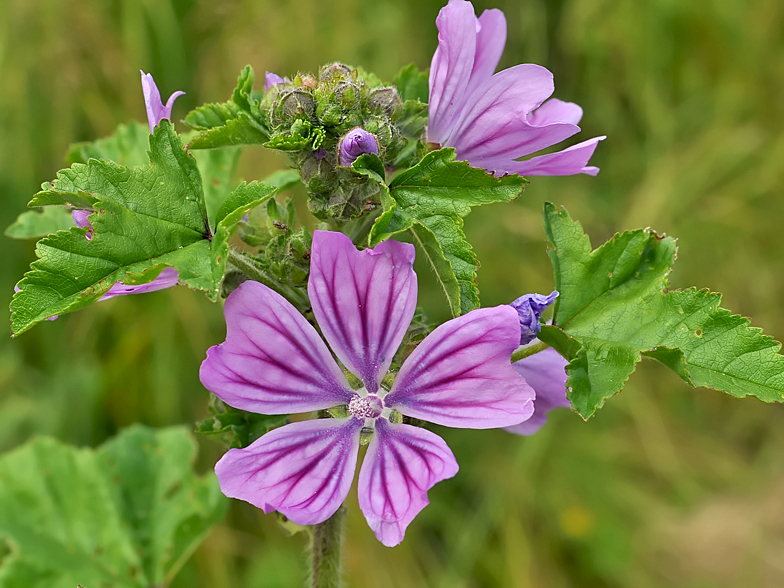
(356, 142)
(529, 310)
(271, 79)
(80, 218)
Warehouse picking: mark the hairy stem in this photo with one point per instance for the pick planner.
(528, 351)
(297, 297)
(325, 552)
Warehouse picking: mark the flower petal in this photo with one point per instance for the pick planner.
(495, 123)
(572, 160)
(271, 79)
(273, 361)
(156, 111)
(166, 279)
(402, 463)
(450, 69)
(303, 470)
(545, 372)
(556, 111)
(167, 110)
(363, 300)
(460, 375)
(490, 41)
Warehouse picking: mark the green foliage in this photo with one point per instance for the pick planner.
(614, 307)
(217, 168)
(239, 203)
(235, 427)
(127, 146)
(233, 123)
(412, 84)
(125, 515)
(431, 200)
(34, 224)
(145, 219)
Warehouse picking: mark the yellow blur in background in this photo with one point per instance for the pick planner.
(666, 486)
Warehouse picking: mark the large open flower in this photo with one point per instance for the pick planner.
(274, 362)
(494, 120)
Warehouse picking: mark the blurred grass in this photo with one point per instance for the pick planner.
(667, 486)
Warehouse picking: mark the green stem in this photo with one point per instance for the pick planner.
(325, 552)
(528, 351)
(247, 267)
(359, 229)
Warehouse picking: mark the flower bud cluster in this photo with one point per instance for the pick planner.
(324, 123)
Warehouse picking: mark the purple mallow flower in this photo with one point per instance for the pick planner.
(274, 362)
(156, 111)
(546, 373)
(529, 310)
(494, 120)
(356, 142)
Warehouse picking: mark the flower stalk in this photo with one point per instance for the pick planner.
(529, 350)
(326, 539)
(247, 267)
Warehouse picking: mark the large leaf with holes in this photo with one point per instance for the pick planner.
(143, 220)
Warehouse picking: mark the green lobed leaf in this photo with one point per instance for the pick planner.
(217, 167)
(146, 216)
(125, 515)
(37, 223)
(237, 428)
(431, 199)
(283, 179)
(614, 307)
(233, 123)
(412, 84)
(239, 202)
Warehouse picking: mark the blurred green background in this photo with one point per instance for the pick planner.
(666, 486)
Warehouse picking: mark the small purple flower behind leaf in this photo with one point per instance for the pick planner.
(529, 310)
(80, 218)
(166, 279)
(272, 79)
(356, 142)
(156, 111)
(493, 120)
(274, 362)
(546, 373)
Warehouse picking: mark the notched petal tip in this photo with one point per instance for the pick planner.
(402, 463)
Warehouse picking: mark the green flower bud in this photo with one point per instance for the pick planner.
(384, 100)
(347, 95)
(334, 71)
(297, 103)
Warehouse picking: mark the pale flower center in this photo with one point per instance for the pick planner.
(363, 407)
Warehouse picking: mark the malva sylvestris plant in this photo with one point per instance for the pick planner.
(325, 324)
